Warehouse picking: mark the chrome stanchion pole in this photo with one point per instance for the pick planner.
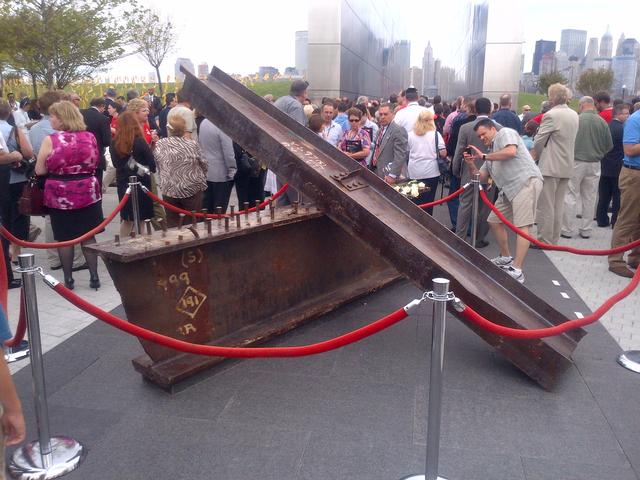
(134, 183)
(440, 296)
(630, 360)
(46, 457)
(475, 207)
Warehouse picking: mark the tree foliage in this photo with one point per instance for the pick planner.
(62, 41)
(548, 79)
(593, 81)
(153, 40)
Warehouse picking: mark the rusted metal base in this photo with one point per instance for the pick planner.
(237, 287)
(412, 241)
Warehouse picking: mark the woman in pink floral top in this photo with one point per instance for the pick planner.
(355, 141)
(69, 158)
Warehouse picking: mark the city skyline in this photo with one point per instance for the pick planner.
(258, 43)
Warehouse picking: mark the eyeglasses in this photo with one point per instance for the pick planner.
(354, 119)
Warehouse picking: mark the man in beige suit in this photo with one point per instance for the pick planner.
(554, 147)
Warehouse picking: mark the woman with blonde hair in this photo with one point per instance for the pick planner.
(183, 173)
(425, 145)
(69, 158)
(140, 109)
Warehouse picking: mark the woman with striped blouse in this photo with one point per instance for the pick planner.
(183, 173)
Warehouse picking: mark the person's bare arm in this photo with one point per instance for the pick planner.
(631, 150)
(25, 145)
(12, 419)
(45, 151)
(8, 158)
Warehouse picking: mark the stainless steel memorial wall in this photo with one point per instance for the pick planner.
(356, 47)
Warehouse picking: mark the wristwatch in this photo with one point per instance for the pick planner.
(484, 157)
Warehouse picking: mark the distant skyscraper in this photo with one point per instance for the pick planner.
(629, 46)
(592, 53)
(542, 47)
(302, 45)
(600, 63)
(415, 77)
(606, 44)
(562, 62)
(203, 70)
(428, 70)
(270, 71)
(620, 42)
(625, 69)
(547, 63)
(573, 42)
(183, 62)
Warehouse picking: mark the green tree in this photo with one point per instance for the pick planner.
(153, 40)
(549, 79)
(59, 42)
(593, 81)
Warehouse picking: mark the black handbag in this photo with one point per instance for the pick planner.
(443, 163)
(247, 165)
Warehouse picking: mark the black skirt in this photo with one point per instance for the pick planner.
(71, 224)
(145, 203)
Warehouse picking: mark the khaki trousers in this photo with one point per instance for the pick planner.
(583, 185)
(550, 207)
(627, 227)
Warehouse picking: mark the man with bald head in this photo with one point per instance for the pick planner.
(506, 117)
(593, 141)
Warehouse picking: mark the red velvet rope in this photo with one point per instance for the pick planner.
(546, 246)
(474, 317)
(451, 196)
(21, 329)
(68, 243)
(232, 352)
(171, 207)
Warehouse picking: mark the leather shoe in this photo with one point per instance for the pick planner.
(564, 235)
(585, 236)
(481, 243)
(621, 270)
(15, 283)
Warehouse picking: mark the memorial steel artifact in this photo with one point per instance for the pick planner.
(361, 212)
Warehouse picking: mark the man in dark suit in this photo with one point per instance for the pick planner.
(164, 114)
(99, 125)
(506, 117)
(109, 99)
(390, 147)
(155, 100)
(467, 137)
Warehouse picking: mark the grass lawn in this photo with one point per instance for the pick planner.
(535, 99)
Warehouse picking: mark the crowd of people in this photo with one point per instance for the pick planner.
(556, 169)
(544, 169)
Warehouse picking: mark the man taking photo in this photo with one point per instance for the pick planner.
(514, 172)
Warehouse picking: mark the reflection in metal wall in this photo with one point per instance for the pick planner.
(356, 47)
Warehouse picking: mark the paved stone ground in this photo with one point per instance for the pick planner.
(357, 413)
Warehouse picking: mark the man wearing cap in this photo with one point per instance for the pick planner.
(407, 117)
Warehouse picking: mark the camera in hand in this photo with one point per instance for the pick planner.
(468, 151)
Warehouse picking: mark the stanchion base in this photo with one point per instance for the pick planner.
(15, 354)
(26, 462)
(419, 477)
(630, 360)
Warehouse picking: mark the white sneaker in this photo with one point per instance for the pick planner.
(515, 273)
(502, 262)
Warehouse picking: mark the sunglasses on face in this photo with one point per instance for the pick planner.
(354, 119)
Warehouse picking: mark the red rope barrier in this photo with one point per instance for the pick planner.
(4, 232)
(474, 317)
(21, 328)
(451, 196)
(558, 248)
(232, 352)
(173, 208)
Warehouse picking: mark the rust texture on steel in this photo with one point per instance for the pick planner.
(366, 207)
(236, 286)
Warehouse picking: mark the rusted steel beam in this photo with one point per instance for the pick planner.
(366, 207)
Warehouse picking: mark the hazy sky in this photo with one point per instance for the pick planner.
(240, 35)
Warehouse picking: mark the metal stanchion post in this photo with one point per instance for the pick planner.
(46, 457)
(476, 205)
(630, 360)
(440, 296)
(134, 183)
